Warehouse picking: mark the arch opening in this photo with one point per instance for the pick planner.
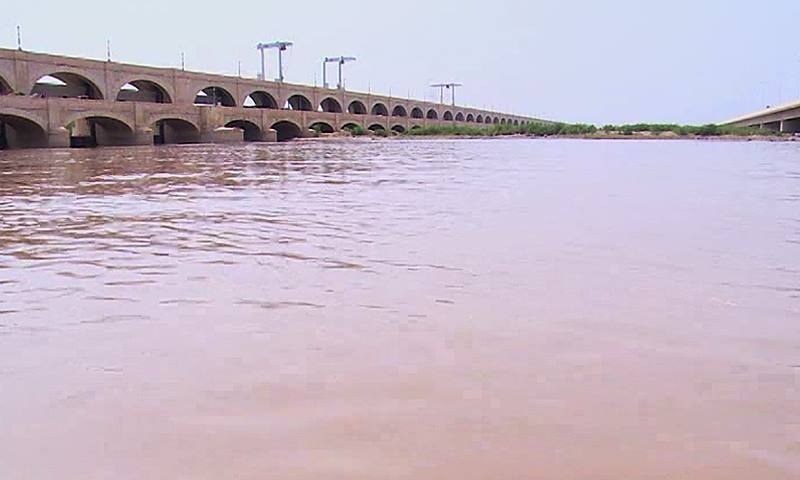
(357, 107)
(496, 120)
(96, 131)
(260, 99)
(322, 127)
(298, 102)
(250, 131)
(376, 127)
(503, 121)
(432, 115)
(175, 131)
(459, 117)
(19, 132)
(488, 120)
(286, 131)
(399, 129)
(330, 105)
(143, 91)
(380, 110)
(399, 111)
(470, 118)
(66, 85)
(214, 96)
(516, 123)
(448, 116)
(479, 119)
(416, 112)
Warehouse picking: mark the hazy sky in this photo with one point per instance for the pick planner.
(601, 62)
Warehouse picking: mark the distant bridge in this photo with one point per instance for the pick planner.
(56, 101)
(784, 118)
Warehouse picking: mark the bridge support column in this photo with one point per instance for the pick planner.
(270, 135)
(143, 137)
(58, 138)
(222, 135)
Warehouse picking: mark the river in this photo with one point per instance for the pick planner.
(423, 309)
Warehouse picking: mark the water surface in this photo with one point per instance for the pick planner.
(475, 309)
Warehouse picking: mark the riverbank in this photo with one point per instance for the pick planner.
(635, 131)
(588, 136)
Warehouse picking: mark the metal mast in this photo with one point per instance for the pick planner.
(280, 46)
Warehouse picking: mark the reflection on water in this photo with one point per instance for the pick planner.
(401, 309)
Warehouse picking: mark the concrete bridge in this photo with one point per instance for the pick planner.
(784, 118)
(55, 101)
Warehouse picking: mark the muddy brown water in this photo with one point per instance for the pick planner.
(476, 309)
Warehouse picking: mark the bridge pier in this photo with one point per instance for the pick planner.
(57, 138)
(222, 135)
(143, 137)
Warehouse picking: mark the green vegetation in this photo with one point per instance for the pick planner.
(356, 130)
(709, 130)
(583, 130)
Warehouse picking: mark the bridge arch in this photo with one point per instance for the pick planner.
(213, 96)
(432, 114)
(330, 105)
(260, 99)
(502, 121)
(448, 116)
(496, 120)
(21, 130)
(66, 85)
(350, 126)
(470, 118)
(298, 102)
(399, 111)
(94, 129)
(169, 129)
(379, 109)
(459, 117)
(286, 130)
(488, 120)
(322, 127)
(143, 90)
(399, 129)
(357, 107)
(376, 127)
(97, 114)
(417, 112)
(479, 118)
(251, 132)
